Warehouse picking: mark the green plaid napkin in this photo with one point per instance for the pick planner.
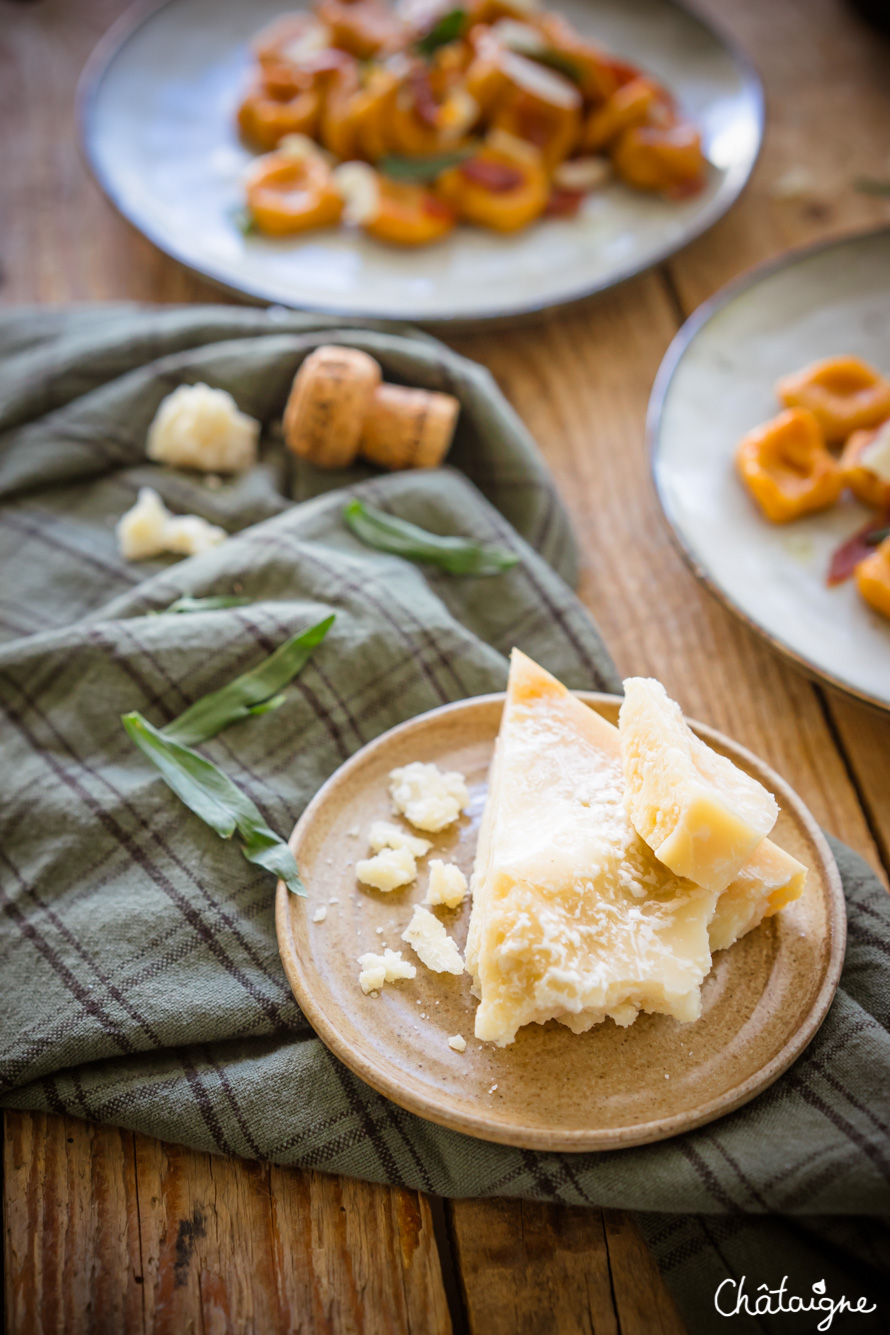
(139, 975)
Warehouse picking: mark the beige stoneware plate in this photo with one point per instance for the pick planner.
(551, 1089)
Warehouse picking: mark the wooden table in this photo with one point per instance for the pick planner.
(106, 1231)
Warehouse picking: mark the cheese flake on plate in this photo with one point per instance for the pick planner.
(447, 885)
(702, 816)
(431, 943)
(383, 834)
(388, 870)
(386, 968)
(428, 797)
(458, 1042)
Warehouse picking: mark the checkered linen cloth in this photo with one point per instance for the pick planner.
(139, 975)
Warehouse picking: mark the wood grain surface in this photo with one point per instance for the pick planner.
(105, 1231)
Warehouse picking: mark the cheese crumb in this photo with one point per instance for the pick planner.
(383, 834)
(876, 455)
(431, 943)
(200, 427)
(447, 886)
(458, 1042)
(320, 914)
(427, 797)
(386, 968)
(387, 870)
(149, 529)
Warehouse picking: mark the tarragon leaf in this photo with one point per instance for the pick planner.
(446, 29)
(239, 698)
(423, 168)
(213, 603)
(387, 533)
(870, 185)
(212, 795)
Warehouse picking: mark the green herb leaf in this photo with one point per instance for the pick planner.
(212, 795)
(244, 220)
(556, 60)
(239, 698)
(459, 556)
(868, 185)
(210, 604)
(446, 29)
(424, 168)
(877, 536)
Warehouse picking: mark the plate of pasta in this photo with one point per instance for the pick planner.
(769, 425)
(428, 160)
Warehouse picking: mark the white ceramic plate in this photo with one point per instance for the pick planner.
(157, 106)
(715, 383)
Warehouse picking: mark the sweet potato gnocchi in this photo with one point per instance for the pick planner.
(791, 467)
(406, 121)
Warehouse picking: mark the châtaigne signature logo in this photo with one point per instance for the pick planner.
(732, 1299)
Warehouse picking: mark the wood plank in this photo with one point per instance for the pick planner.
(46, 182)
(106, 1231)
(531, 1269)
(646, 1306)
(827, 78)
(71, 1235)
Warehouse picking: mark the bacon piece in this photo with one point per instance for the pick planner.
(425, 105)
(563, 203)
(856, 548)
(498, 177)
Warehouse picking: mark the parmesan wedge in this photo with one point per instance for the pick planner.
(701, 815)
(573, 916)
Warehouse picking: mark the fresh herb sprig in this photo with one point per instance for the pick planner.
(387, 533)
(870, 185)
(212, 795)
(213, 603)
(446, 29)
(423, 168)
(243, 220)
(254, 692)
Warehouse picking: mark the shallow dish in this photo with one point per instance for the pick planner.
(714, 385)
(551, 1089)
(157, 105)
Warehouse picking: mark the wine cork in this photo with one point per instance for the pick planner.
(328, 404)
(409, 428)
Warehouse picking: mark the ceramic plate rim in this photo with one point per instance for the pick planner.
(376, 1072)
(112, 42)
(679, 346)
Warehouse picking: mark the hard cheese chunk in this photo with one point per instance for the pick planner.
(702, 816)
(770, 880)
(573, 917)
